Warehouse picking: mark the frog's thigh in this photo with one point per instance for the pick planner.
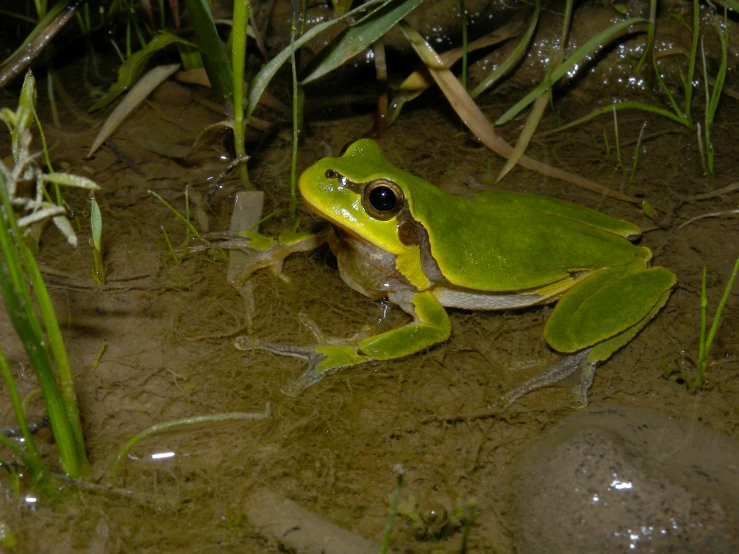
(431, 325)
(607, 309)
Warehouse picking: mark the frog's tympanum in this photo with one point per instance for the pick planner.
(398, 237)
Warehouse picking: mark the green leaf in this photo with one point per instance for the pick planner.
(262, 79)
(140, 91)
(358, 37)
(512, 60)
(96, 223)
(618, 106)
(131, 69)
(580, 54)
(40, 26)
(65, 179)
(215, 59)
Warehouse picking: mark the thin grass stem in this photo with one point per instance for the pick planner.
(392, 510)
(636, 152)
(616, 140)
(706, 342)
(463, 15)
(688, 85)
(169, 425)
(704, 308)
(183, 218)
(470, 512)
(28, 452)
(296, 126)
(238, 61)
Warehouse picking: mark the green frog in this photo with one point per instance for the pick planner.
(399, 238)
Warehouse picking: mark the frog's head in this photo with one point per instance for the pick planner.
(360, 192)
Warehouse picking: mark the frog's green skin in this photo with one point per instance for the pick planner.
(398, 237)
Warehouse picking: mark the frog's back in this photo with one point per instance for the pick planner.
(500, 241)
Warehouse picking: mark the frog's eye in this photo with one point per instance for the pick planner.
(382, 199)
(331, 174)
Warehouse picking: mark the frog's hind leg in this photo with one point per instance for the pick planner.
(596, 318)
(562, 369)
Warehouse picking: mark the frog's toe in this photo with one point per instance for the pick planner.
(580, 391)
(556, 372)
(322, 359)
(246, 343)
(309, 377)
(308, 353)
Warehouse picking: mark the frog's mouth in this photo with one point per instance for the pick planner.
(338, 227)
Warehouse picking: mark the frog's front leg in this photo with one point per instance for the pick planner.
(263, 251)
(430, 325)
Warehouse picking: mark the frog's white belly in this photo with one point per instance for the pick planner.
(482, 300)
(486, 301)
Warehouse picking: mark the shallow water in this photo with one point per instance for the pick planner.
(168, 332)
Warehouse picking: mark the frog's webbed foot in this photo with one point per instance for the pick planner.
(430, 325)
(565, 367)
(322, 359)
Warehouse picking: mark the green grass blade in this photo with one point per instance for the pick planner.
(169, 425)
(357, 38)
(40, 26)
(263, 78)
(130, 71)
(577, 57)
(19, 307)
(96, 223)
(720, 308)
(392, 511)
(688, 85)
(676, 108)
(707, 151)
(238, 58)
(59, 352)
(215, 59)
(463, 14)
(297, 98)
(475, 119)
(706, 342)
(30, 454)
(618, 106)
(511, 60)
(540, 104)
(636, 152)
(718, 83)
(616, 139)
(651, 26)
(702, 339)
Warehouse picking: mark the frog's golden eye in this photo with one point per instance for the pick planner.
(382, 199)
